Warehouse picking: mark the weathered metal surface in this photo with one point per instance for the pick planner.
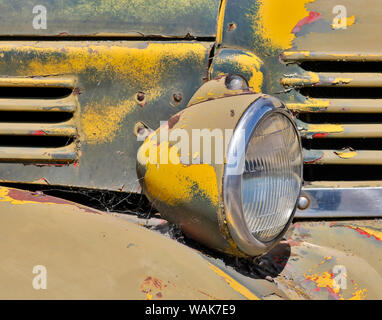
(343, 157)
(191, 182)
(137, 18)
(310, 105)
(110, 76)
(39, 157)
(317, 258)
(239, 62)
(70, 239)
(352, 80)
(322, 131)
(341, 202)
(88, 254)
(66, 104)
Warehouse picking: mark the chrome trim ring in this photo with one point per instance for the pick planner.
(233, 211)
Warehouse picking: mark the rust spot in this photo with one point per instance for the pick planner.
(140, 96)
(177, 97)
(173, 121)
(40, 197)
(232, 26)
(313, 161)
(153, 286)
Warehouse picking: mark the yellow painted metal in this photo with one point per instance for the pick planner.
(347, 157)
(63, 129)
(333, 79)
(106, 77)
(68, 104)
(67, 154)
(299, 56)
(337, 106)
(92, 255)
(370, 130)
(220, 22)
(47, 82)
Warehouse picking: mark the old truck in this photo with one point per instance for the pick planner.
(176, 149)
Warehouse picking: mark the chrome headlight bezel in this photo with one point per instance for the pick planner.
(258, 111)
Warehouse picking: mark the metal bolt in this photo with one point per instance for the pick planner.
(231, 26)
(140, 96)
(177, 97)
(303, 203)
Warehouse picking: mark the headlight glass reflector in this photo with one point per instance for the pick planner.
(271, 180)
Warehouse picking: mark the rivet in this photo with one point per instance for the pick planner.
(177, 97)
(303, 203)
(140, 96)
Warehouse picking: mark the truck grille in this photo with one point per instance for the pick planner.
(38, 120)
(338, 107)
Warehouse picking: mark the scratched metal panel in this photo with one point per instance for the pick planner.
(110, 74)
(122, 17)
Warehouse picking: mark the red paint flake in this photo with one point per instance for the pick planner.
(312, 17)
(364, 233)
(38, 133)
(320, 135)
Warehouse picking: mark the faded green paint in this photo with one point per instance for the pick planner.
(109, 75)
(122, 17)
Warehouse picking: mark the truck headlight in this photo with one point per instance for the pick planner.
(242, 201)
(260, 202)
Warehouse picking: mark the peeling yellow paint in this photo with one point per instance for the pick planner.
(346, 154)
(101, 121)
(309, 78)
(359, 295)
(330, 128)
(277, 18)
(323, 281)
(326, 280)
(4, 197)
(234, 284)
(375, 233)
(136, 67)
(252, 64)
(181, 180)
(342, 80)
(309, 105)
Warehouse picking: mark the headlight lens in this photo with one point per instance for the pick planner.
(263, 179)
(271, 180)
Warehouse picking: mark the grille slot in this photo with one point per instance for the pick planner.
(339, 114)
(38, 120)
